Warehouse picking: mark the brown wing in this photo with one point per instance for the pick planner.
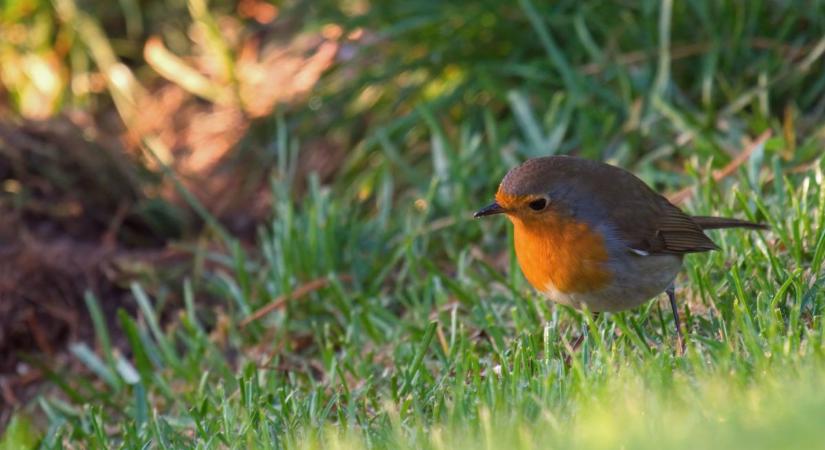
(678, 233)
(650, 224)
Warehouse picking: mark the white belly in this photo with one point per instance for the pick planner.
(636, 279)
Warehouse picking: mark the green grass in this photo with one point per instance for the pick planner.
(426, 335)
(427, 345)
(405, 354)
(452, 353)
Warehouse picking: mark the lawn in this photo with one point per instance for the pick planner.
(370, 310)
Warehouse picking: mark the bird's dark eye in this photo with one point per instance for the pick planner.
(537, 204)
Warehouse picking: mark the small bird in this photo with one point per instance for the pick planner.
(588, 234)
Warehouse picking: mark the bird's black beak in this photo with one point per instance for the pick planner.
(489, 210)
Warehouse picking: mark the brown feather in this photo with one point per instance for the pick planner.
(680, 233)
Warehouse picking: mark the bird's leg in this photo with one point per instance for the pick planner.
(577, 342)
(680, 340)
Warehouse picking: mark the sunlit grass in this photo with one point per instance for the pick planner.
(415, 341)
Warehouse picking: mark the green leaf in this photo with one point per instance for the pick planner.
(20, 434)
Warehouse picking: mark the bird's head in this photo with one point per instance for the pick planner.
(530, 193)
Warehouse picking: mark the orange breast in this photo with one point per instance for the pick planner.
(559, 252)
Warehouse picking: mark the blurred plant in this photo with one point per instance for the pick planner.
(229, 65)
(222, 68)
(646, 85)
(32, 51)
(55, 54)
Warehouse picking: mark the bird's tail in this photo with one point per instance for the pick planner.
(712, 223)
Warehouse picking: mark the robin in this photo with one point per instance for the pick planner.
(588, 234)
